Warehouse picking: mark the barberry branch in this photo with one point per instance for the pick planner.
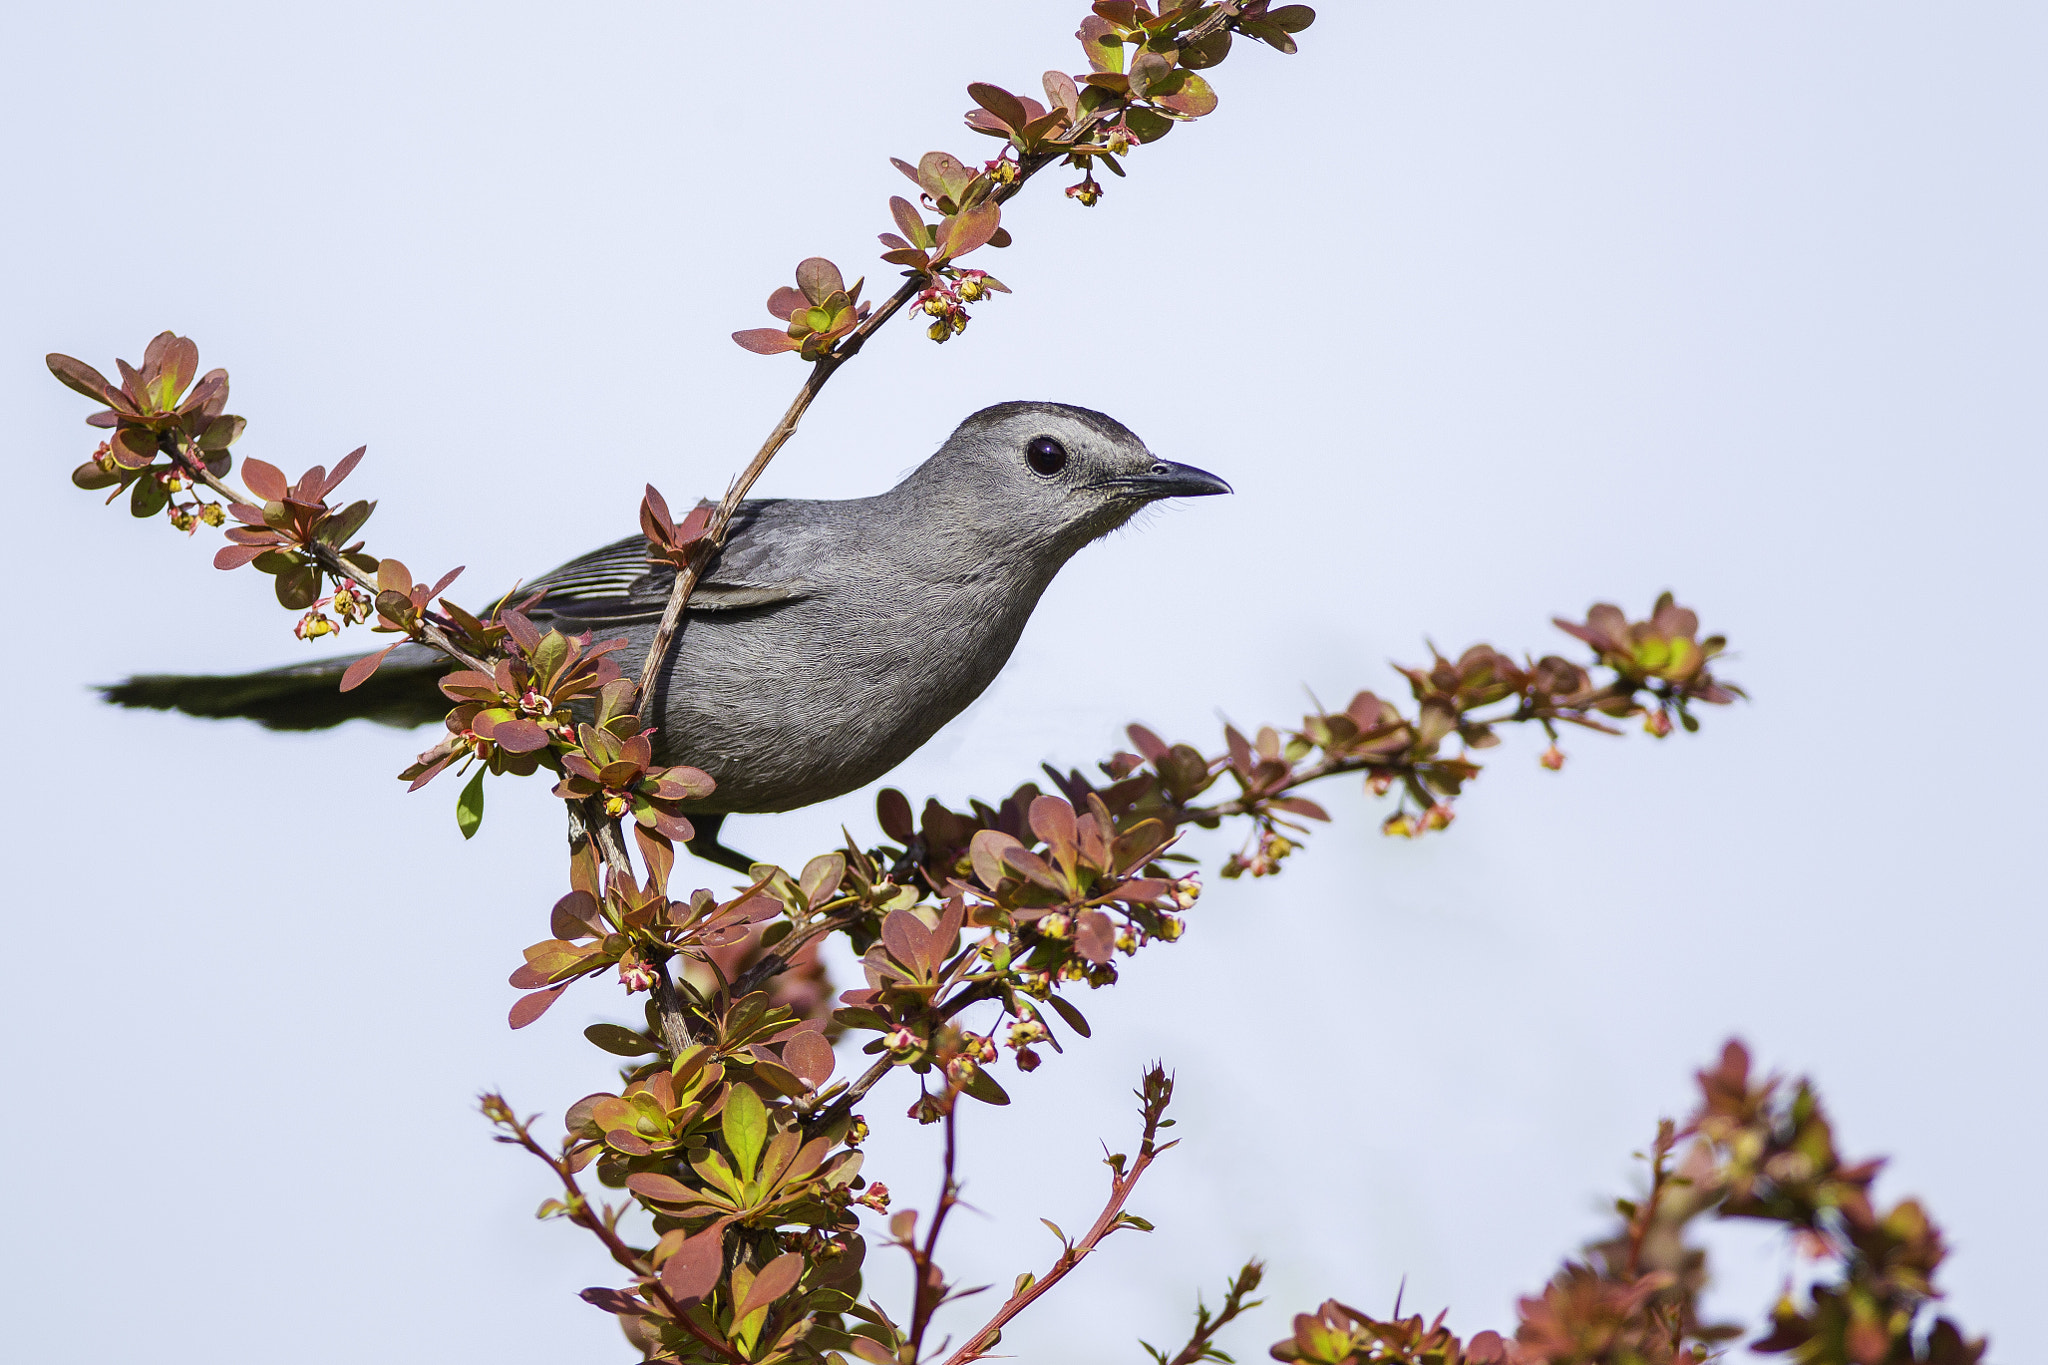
(1154, 1095)
(930, 1290)
(331, 560)
(1236, 1300)
(577, 1210)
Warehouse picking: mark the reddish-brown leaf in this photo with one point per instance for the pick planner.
(777, 1278)
(810, 1057)
(265, 480)
(892, 809)
(519, 737)
(971, 228)
(80, 377)
(764, 340)
(662, 1189)
(235, 556)
(696, 1267)
(1095, 936)
(999, 102)
(908, 940)
(528, 1008)
(575, 916)
(819, 279)
(358, 673)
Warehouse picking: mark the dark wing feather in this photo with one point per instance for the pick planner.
(619, 583)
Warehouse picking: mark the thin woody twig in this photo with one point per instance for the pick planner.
(1236, 1300)
(929, 1292)
(1109, 1220)
(586, 821)
(334, 562)
(872, 1077)
(580, 1213)
(822, 370)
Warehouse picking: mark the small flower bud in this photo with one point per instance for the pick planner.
(857, 1133)
(1170, 927)
(971, 287)
(901, 1041)
(1398, 826)
(635, 975)
(936, 305)
(350, 605)
(1551, 758)
(210, 513)
(1025, 1032)
(1439, 816)
(1127, 941)
(1658, 722)
(959, 324)
(876, 1197)
(184, 520)
(962, 1069)
(980, 1048)
(1056, 926)
(616, 804)
(1027, 1059)
(1186, 891)
(1001, 171)
(313, 625)
(939, 331)
(1119, 141)
(1379, 784)
(1104, 975)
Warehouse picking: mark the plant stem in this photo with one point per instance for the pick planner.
(1120, 1187)
(930, 1290)
(581, 1215)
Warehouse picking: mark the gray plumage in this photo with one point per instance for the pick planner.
(829, 640)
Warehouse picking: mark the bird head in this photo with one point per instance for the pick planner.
(1049, 476)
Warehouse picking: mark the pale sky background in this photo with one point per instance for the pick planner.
(1488, 311)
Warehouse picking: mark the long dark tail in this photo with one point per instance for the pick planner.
(402, 692)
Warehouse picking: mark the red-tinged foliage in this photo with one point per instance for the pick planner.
(1755, 1152)
(725, 1125)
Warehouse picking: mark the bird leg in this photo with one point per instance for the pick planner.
(704, 843)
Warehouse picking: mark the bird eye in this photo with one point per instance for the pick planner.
(1047, 456)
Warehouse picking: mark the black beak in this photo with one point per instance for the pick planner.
(1169, 480)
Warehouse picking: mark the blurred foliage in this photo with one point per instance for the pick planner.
(1756, 1151)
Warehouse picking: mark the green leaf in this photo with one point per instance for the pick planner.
(1148, 125)
(299, 587)
(549, 655)
(745, 1126)
(149, 497)
(620, 1042)
(339, 529)
(469, 812)
(1194, 98)
(983, 1087)
(1068, 1013)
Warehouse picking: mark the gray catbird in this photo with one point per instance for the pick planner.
(828, 640)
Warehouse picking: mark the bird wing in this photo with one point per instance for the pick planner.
(620, 583)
